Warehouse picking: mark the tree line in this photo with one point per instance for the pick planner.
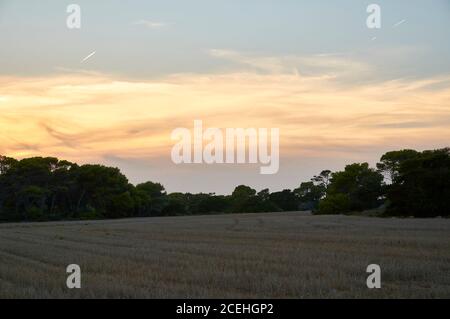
(403, 183)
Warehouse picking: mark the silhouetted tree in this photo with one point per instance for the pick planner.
(309, 195)
(45, 188)
(323, 179)
(285, 200)
(390, 162)
(242, 199)
(360, 185)
(150, 199)
(421, 186)
(6, 163)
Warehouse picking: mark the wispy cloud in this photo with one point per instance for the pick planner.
(92, 117)
(86, 116)
(271, 64)
(151, 24)
(323, 65)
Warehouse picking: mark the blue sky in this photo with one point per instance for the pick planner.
(35, 39)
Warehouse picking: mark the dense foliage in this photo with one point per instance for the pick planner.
(421, 185)
(418, 185)
(50, 189)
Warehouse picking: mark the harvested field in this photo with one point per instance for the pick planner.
(277, 255)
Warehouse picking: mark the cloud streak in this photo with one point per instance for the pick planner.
(151, 24)
(399, 23)
(88, 57)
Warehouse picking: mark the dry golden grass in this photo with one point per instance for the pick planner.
(280, 255)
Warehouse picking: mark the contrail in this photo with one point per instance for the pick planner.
(90, 55)
(398, 23)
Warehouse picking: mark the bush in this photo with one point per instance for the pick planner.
(334, 204)
(89, 214)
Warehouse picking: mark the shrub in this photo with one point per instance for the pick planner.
(334, 204)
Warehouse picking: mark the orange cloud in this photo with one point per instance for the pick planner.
(85, 116)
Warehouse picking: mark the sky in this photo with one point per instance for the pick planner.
(112, 91)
